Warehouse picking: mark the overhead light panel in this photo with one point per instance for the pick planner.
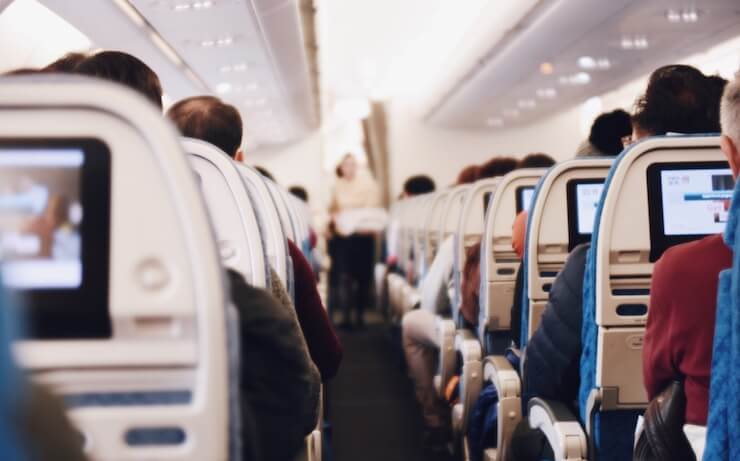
(527, 104)
(580, 78)
(224, 87)
(685, 16)
(495, 122)
(590, 63)
(639, 42)
(241, 67)
(192, 6)
(547, 93)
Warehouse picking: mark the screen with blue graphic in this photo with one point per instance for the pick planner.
(695, 201)
(587, 200)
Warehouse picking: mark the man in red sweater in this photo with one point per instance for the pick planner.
(683, 297)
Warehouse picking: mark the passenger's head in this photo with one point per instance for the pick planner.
(21, 71)
(497, 166)
(347, 168)
(678, 99)
(467, 175)
(212, 120)
(536, 160)
(66, 64)
(609, 131)
(300, 192)
(730, 117)
(417, 185)
(264, 172)
(125, 69)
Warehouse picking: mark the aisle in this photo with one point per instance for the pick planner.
(373, 411)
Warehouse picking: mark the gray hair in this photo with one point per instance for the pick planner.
(730, 110)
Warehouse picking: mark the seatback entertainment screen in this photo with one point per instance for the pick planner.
(687, 201)
(54, 234)
(524, 196)
(583, 197)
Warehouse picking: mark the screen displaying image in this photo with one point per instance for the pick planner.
(40, 218)
(526, 195)
(695, 202)
(587, 200)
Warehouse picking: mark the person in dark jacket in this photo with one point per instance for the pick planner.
(553, 353)
(276, 378)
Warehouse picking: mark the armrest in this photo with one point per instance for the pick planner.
(561, 428)
(446, 339)
(468, 345)
(504, 377)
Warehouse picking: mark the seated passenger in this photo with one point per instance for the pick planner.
(683, 295)
(413, 186)
(420, 341)
(610, 132)
(209, 119)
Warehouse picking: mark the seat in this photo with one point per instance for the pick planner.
(723, 423)
(552, 231)
(551, 200)
(232, 214)
(146, 372)
(274, 239)
(616, 294)
(432, 226)
(446, 327)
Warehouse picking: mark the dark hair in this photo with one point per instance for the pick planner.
(419, 184)
(125, 69)
(497, 166)
(678, 99)
(66, 64)
(21, 71)
(608, 130)
(263, 171)
(536, 160)
(467, 175)
(716, 88)
(210, 119)
(300, 192)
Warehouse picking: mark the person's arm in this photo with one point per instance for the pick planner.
(278, 378)
(434, 286)
(657, 364)
(551, 367)
(470, 288)
(323, 343)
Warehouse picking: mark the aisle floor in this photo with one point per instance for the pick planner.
(371, 402)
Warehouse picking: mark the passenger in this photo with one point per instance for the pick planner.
(116, 66)
(420, 341)
(209, 119)
(354, 254)
(300, 192)
(610, 132)
(417, 185)
(66, 64)
(683, 295)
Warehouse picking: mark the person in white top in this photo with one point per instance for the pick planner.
(352, 255)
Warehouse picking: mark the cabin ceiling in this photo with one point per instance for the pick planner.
(565, 51)
(251, 53)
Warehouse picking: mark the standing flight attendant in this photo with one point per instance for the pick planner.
(354, 254)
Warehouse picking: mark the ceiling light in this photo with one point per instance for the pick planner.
(225, 41)
(603, 64)
(207, 43)
(546, 68)
(580, 78)
(189, 6)
(547, 93)
(634, 43)
(687, 16)
(512, 113)
(527, 103)
(181, 7)
(226, 69)
(495, 122)
(586, 62)
(223, 87)
(241, 67)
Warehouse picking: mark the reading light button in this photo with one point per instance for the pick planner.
(152, 274)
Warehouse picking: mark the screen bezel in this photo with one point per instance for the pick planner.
(659, 241)
(575, 238)
(82, 312)
(520, 197)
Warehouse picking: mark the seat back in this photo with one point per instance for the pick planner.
(286, 220)
(135, 340)
(233, 216)
(11, 391)
(646, 206)
(499, 262)
(723, 422)
(553, 229)
(470, 229)
(270, 223)
(452, 210)
(433, 224)
(421, 213)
